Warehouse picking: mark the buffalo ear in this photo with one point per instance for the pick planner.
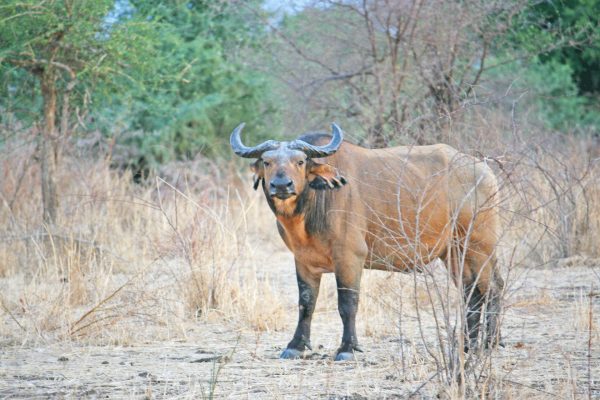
(324, 176)
(259, 173)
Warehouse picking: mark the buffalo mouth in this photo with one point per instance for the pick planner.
(283, 195)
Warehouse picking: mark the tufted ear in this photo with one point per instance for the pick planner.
(324, 176)
(259, 172)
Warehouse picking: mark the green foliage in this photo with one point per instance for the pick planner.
(550, 94)
(577, 24)
(197, 88)
(555, 48)
(34, 34)
(73, 39)
(166, 79)
(554, 94)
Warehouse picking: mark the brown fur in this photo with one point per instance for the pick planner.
(403, 207)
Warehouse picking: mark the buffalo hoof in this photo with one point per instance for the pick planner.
(345, 356)
(291, 354)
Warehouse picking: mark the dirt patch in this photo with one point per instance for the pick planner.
(547, 354)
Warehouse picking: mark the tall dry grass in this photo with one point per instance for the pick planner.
(123, 255)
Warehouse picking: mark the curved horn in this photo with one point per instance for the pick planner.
(249, 152)
(313, 151)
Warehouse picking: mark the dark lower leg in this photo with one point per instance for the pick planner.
(307, 295)
(348, 307)
(474, 302)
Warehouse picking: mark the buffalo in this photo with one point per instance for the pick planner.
(341, 208)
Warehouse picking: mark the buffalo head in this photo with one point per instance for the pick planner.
(288, 167)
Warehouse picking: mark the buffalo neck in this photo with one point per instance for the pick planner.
(311, 204)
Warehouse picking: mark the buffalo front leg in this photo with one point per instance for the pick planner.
(308, 290)
(348, 287)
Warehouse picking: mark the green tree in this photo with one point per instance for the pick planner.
(575, 24)
(171, 74)
(550, 95)
(200, 86)
(553, 47)
(62, 48)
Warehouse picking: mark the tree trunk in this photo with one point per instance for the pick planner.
(48, 145)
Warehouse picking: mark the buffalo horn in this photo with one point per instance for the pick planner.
(313, 151)
(249, 152)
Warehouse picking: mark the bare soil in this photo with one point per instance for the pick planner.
(549, 353)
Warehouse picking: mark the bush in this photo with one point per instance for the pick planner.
(552, 97)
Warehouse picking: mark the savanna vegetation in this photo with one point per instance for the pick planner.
(128, 227)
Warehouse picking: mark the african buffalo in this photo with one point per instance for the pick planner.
(396, 208)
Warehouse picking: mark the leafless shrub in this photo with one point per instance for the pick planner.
(392, 71)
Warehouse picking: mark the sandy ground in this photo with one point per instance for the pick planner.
(546, 355)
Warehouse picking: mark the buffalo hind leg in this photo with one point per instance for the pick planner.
(485, 288)
(348, 294)
(474, 302)
(467, 267)
(308, 290)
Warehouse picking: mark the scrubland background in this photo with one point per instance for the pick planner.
(136, 260)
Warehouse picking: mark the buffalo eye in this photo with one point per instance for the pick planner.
(266, 163)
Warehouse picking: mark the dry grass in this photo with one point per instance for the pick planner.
(123, 254)
(193, 257)
(554, 189)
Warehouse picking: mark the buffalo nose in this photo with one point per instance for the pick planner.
(281, 184)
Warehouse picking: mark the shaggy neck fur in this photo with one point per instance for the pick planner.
(312, 204)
